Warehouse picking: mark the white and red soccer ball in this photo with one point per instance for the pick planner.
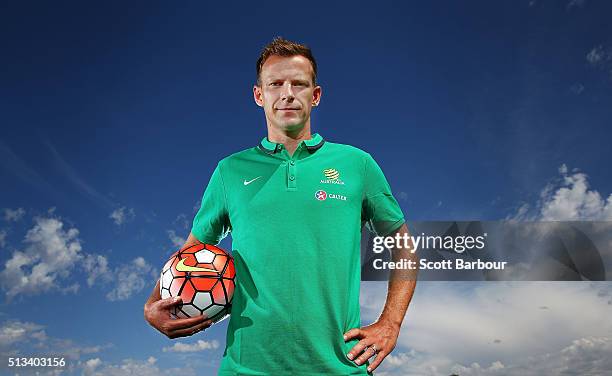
(203, 275)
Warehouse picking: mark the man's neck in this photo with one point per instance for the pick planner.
(290, 140)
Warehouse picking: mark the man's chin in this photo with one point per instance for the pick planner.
(291, 127)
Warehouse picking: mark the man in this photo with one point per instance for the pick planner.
(295, 205)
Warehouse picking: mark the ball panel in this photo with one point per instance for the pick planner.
(190, 310)
(166, 279)
(192, 249)
(188, 291)
(218, 294)
(205, 256)
(230, 271)
(179, 314)
(229, 286)
(165, 293)
(202, 300)
(204, 283)
(220, 262)
(167, 265)
(175, 287)
(214, 249)
(213, 310)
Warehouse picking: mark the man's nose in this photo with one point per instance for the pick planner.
(287, 93)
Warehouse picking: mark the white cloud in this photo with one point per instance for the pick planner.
(182, 221)
(400, 359)
(126, 280)
(596, 55)
(19, 337)
(600, 57)
(494, 324)
(584, 356)
(67, 348)
(567, 199)
(97, 268)
(3, 234)
(90, 366)
(176, 240)
(48, 258)
(496, 368)
(11, 215)
(13, 332)
(130, 279)
(93, 349)
(200, 345)
(52, 253)
(133, 367)
(414, 363)
(575, 201)
(122, 215)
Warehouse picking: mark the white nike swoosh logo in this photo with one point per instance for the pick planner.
(250, 181)
(181, 267)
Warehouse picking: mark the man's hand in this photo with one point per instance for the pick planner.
(377, 339)
(157, 313)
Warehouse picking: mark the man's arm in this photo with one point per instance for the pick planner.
(157, 311)
(380, 337)
(401, 284)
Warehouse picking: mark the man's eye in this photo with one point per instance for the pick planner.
(275, 84)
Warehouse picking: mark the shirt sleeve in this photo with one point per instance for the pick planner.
(211, 224)
(380, 210)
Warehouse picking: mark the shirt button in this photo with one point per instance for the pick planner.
(292, 178)
(292, 163)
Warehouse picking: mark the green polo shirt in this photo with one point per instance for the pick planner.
(296, 223)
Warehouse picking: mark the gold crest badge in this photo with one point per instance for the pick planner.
(331, 174)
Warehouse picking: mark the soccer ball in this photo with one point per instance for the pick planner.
(203, 276)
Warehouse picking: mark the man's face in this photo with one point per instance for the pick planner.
(287, 93)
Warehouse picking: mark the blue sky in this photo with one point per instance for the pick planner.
(114, 116)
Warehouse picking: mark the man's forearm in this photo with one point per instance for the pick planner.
(402, 283)
(155, 295)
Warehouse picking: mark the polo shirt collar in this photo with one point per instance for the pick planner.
(314, 144)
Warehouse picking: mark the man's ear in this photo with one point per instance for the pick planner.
(316, 96)
(258, 95)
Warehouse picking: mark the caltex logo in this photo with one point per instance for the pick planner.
(320, 195)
